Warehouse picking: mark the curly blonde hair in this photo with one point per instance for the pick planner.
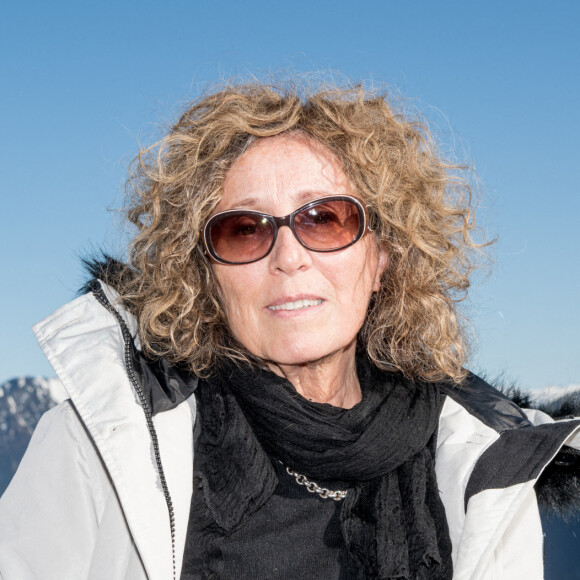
(420, 211)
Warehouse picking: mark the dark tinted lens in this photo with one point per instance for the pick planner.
(240, 237)
(328, 225)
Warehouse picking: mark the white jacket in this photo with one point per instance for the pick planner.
(88, 501)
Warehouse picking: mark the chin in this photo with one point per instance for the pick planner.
(307, 353)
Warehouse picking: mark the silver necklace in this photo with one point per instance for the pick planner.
(313, 487)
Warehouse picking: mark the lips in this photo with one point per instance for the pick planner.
(299, 304)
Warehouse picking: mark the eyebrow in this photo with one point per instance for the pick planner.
(302, 198)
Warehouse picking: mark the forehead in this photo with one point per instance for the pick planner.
(281, 173)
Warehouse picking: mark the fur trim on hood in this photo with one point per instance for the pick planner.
(110, 270)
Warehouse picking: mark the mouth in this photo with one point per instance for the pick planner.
(301, 304)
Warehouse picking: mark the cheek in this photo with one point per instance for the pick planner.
(359, 277)
(239, 294)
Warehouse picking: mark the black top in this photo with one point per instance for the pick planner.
(296, 534)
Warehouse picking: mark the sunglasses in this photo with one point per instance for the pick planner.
(328, 224)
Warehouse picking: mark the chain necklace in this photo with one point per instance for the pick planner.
(313, 487)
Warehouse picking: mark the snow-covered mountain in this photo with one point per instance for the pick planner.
(548, 395)
(22, 402)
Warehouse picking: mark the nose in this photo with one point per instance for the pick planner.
(288, 255)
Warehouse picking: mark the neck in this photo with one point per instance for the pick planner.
(331, 380)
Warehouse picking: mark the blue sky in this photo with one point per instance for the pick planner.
(84, 83)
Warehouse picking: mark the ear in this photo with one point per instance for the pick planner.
(381, 267)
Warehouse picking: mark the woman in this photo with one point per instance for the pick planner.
(287, 324)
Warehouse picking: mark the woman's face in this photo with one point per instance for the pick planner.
(276, 176)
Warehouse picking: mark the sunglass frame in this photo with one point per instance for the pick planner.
(288, 221)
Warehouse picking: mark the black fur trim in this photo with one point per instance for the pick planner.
(110, 270)
(558, 488)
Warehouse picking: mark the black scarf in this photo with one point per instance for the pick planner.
(392, 520)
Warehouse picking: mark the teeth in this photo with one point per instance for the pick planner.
(298, 305)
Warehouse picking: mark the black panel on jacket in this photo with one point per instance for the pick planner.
(518, 456)
(486, 403)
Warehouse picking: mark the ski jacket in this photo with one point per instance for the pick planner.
(104, 489)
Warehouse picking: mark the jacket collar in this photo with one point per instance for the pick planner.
(85, 346)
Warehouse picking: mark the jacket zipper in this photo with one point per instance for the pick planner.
(100, 296)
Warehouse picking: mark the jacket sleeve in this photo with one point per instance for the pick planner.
(50, 512)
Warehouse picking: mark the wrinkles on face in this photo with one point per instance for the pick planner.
(312, 346)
